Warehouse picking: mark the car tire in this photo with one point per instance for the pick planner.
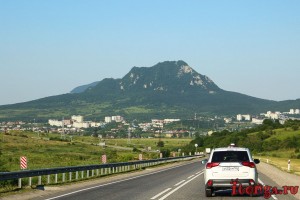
(208, 192)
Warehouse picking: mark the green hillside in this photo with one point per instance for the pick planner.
(266, 139)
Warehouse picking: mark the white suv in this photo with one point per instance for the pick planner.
(228, 164)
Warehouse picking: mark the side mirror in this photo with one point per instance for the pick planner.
(204, 161)
(256, 161)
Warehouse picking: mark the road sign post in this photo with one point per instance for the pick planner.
(23, 162)
(104, 159)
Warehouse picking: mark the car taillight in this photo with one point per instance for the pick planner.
(211, 165)
(209, 183)
(248, 164)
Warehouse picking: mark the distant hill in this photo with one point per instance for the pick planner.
(82, 88)
(170, 89)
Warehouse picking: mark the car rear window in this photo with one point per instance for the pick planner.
(230, 156)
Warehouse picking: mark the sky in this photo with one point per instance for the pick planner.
(50, 47)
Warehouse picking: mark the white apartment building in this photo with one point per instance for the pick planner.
(166, 121)
(240, 117)
(117, 118)
(272, 115)
(77, 118)
(294, 111)
(107, 119)
(81, 124)
(227, 120)
(54, 122)
(95, 124)
(257, 121)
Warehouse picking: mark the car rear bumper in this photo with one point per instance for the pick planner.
(228, 183)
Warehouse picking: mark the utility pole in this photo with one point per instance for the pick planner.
(129, 136)
(62, 136)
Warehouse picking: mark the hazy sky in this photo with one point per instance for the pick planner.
(49, 47)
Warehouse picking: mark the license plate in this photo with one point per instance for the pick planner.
(230, 168)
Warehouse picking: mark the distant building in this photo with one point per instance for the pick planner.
(272, 115)
(158, 123)
(77, 118)
(67, 122)
(117, 118)
(107, 120)
(54, 122)
(95, 124)
(227, 120)
(257, 121)
(166, 121)
(209, 133)
(81, 124)
(297, 111)
(240, 117)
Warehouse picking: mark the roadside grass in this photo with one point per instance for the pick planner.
(144, 143)
(281, 161)
(48, 151)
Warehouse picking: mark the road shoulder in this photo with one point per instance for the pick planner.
(279, 177)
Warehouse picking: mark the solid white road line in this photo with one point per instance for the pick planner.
(273, 196)
(97, 186)
(166, 190)
(171, 192)
(191, 176)
(179, 183)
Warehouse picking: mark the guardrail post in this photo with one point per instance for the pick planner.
(55, 178)
(76, 175)
(97, 172)
(63, 177)
(30, 181)
(40, 180)
(70, 176)
(19, 183)
(92, 173)
(87, 173)
(101, 172)
(82, 175)
(48, 179)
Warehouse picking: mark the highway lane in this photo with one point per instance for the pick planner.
(180, 182)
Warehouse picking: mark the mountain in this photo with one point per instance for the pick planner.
(168, 89)
(82, 88)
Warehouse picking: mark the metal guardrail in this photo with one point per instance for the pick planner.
(105, 169)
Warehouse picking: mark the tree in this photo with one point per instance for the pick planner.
(160, 144)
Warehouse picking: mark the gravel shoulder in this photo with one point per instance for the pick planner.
(279, 177)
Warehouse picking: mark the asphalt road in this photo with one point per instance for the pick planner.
(180, 182)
